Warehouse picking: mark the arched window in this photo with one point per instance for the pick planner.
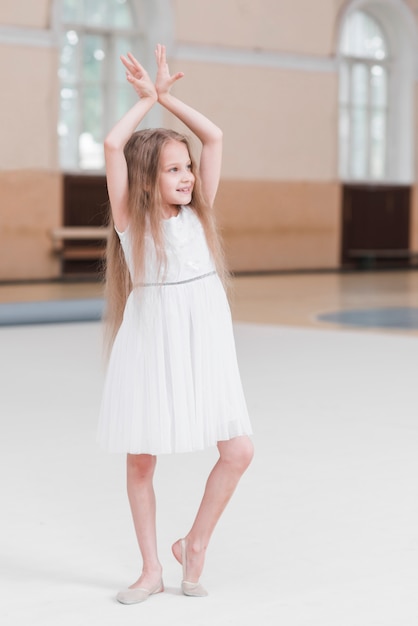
(364, 99)
(93, 89)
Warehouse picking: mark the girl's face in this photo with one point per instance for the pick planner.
(176, 179)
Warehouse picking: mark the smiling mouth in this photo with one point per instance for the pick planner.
(185, 190)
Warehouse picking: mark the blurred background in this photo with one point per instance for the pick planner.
(317, 101)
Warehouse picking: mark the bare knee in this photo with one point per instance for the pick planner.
(140, 467)
(238, 452)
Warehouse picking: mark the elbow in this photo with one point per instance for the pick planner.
(111, 145)
(218, 135)
(215, 138)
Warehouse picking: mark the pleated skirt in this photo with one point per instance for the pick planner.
(172, 382)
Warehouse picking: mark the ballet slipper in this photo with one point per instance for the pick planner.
(189, 589)
(138, 594)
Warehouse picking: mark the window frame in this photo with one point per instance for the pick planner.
(108, 83)
(349, 107)
(398, 23)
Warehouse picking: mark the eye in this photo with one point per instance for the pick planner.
(189, 167)
(173, 169)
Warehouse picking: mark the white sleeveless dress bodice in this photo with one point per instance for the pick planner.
(187, 254)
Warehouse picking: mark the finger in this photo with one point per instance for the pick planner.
(132, 58)
(129, 66)
(134, 66)
(163, 55)
(176, 77)
(134, 61)
(137, 70)
(129, 77)
(133, 75)
(158, 54)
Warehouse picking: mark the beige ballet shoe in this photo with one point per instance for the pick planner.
(189, 589)
(139, 594)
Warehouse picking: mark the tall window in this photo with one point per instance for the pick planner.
(93, 89)
(364, 99)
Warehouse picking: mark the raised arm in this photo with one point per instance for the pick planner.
(116, 167)
(208, 133)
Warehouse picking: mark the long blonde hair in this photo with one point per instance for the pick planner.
(142, 153)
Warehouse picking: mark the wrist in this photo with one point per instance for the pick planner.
(164, 98)
(152, 98)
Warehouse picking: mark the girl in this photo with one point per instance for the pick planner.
(172, 383)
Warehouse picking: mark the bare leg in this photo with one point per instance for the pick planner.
(235, 456)
(140, 473)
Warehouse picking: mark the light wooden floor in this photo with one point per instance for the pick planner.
(297, 299)
(284, 299)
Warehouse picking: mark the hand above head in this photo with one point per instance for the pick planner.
(138, 77)
(164, 81)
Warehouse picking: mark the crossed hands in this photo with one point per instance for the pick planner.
(141, 81)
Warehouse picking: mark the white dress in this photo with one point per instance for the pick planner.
(172, 382)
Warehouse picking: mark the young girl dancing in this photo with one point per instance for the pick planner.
(172, 383)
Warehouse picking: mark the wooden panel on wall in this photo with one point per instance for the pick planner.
(270, 225)
(30, 209)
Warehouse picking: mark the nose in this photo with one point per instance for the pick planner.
(188, 175)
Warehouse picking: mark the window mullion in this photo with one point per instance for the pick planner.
(80, 98)
(350, 119)
(387, 122)
(369, 109)
(108, 86)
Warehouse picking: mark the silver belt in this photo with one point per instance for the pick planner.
(179, 282)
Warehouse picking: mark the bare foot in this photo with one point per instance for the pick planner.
(195, 559)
